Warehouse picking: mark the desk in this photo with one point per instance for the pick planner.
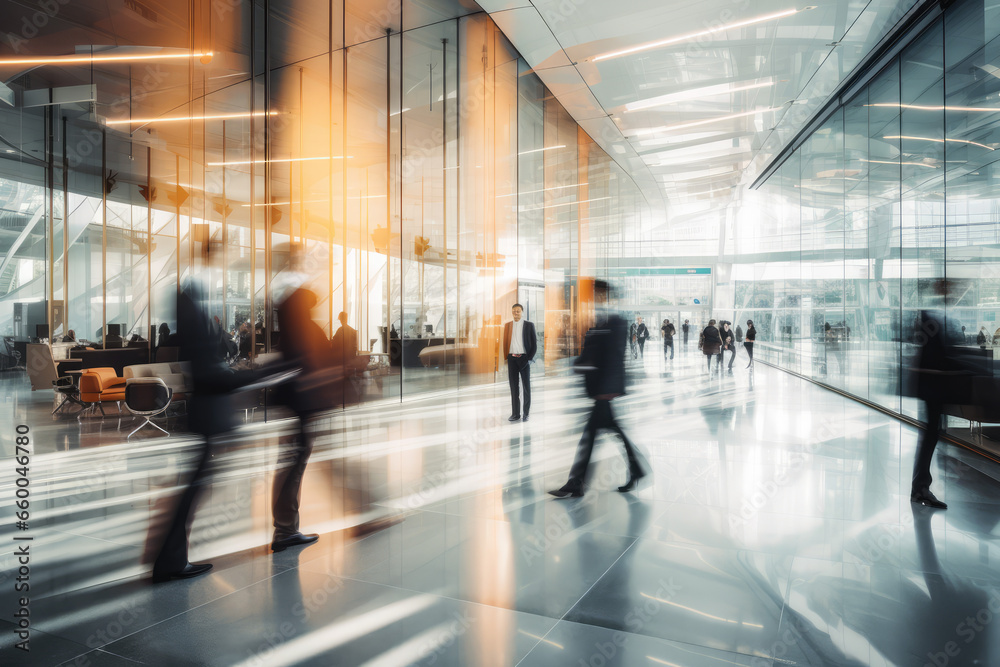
(68, 367)
(406, 352)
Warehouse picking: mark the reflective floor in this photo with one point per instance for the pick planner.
(776, 530)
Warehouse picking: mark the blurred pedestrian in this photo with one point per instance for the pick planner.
(210, 414)
(728, 344)
(684, 329)
(303, 346)
(667, 331)
(751, 337)
(711, 345)
(602, 362)
(940, 379)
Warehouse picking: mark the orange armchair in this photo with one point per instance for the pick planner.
(100, 385)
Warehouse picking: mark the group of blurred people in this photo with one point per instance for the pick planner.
(718, 338)
(313, 377)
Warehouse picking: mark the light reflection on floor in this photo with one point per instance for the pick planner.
(776, 531)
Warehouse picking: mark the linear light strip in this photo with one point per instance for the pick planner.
(76, 60)
(921, 107)
(694, 35)
(914, 164)
(938, 141)
(707, 121)
(539, 150)
(173, 119)
(569, 203)
(531, 192)
(693, 94)
(289, 159)
(314, 201)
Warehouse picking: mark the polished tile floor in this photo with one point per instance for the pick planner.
(776, 531)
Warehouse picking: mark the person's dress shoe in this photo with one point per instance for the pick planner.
(633, 482)
(927, 499)
(514, 418)
(568, 491)
(524, 418)
(187, 572)
(298, 539)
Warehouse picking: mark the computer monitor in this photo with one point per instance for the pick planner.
(41, 331)
(429, 328)
(114, 330)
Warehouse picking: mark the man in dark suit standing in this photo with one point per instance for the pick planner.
(345, 360)
(519, 347)
(602, 362)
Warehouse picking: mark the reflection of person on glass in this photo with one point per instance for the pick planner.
(603, 363)
(519, 348)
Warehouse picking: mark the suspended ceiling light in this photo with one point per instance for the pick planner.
(175, 119)
(274, 160)
(707, 121)
(205, 57)
(695, 35)
(938, 141)
(693, 94)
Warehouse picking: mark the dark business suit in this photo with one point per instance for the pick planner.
(345, 360)
(603, 355)
(305, 346)
(519, 367)
(210, 413)
(939, 380)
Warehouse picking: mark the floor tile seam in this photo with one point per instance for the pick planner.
(99, 539)
(355, 579)
(189, 609)
(598, 579)
(119, 656)
(655, 638)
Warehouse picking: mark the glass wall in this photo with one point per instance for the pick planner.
(430, 176)
(840, 249)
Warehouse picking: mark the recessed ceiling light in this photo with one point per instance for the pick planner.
(88, 59)
(695, 35)
(174, 119)
(694, 93)
(669, 128)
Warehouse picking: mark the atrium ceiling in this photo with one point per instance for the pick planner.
(694, 99)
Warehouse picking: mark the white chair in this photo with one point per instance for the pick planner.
(147, 397)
